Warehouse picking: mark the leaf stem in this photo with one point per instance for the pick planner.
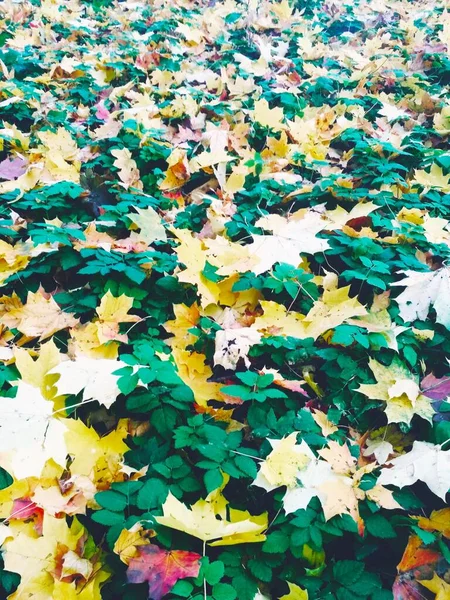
(204, 580)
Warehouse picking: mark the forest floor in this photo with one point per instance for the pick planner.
(225, 308)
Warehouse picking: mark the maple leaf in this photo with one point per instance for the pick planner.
(195, 373)
(149, 223)
(424, 290)
(381, 449)
(290, 238)
(281, 466)
(36, 372)
(434, 179)
(425, 462)
(162, 569)
(439, 520)
(94, 376)
(130, 540)
(335, 481)
(67, 574)
(39, 317)
(30, 435)
(333, 309)
(231, 345)
(417, 562)
(399, 389)
(438, 586)
(325, 425)
(295, 593)
(268, 117)
(100, 458)
(128, 171)
(276, 320)
(207, 520)
(60, 153)
(12, 168)
(112, 311)
(190, 253)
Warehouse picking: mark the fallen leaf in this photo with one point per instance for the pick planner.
(162, 569)
(425, 290)
(207, 520)
(39, 317)
(94, 376)
(425, 462)
(131, 540)
(399, 389)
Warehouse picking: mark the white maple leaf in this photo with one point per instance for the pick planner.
(422, 291)
(91, 374)
(315, 475)
(233, 344)
(381, 449)
(426, 462)
(29, 433)
(290, 238)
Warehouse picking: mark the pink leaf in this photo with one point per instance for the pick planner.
(162, 569)
(12, 168)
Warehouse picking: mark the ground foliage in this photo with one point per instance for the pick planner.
(225, 300)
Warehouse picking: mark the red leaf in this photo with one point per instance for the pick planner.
(417, 563)
(162, 569)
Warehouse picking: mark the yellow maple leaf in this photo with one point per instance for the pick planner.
(398, 388)
(283, 463)
(129, 541)
(178, 169)
(67, 574)
(85, 341)
(60, 154)
(212, 519)
(438, 586)
(439, 521)
(435, 178)
(35, 372)
(295, 593)
(13, 258)
(39, 317)
(112, 311)
(186, 317)
(98, 338)
(149, 223)
(128, 171)
(268, 117)
(325, 425)
(333, 309)
(192, 254)
(99, 458)
(276, 320)
(193, 371)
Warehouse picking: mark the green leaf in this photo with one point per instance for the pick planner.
(260, 569)
(112, 500)
(347, 572)
(106, 517)
(152, 494)
(182, 588)
(224, 591)
(213, 572)
(246, 465)
(379, 526)
(247, 587)
(213, 479)
(277, 541)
